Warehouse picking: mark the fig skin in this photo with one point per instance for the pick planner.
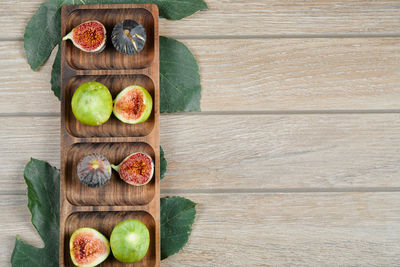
(94, 170)
(123, 100)
(130, 241)
(88, 240)
(89, 25)
(92, 103)
(125, 161)
(128, 37)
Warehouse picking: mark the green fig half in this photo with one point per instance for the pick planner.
(88, 247)
(133, 105)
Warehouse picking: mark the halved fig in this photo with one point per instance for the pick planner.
(136, 169)
(128, 37)
(94, 170)
(133, 105)
(88, 247)
(89, 36)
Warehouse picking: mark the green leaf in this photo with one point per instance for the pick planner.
(169, 9)
(56, 74)
(43, 183)
(177, 216)
(176, 10)
(42, 32)
(180, 88)
(163, 163)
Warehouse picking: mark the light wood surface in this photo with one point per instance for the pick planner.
(294, 159)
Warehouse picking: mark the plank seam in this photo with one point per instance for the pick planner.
(223, 113)
(261, 191)
(263, 36)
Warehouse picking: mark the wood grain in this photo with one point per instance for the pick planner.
(307, 229)
(273, 74)
(252, 17)
(219, 152)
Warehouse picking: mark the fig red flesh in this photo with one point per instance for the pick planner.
(136, 169)
(89, 35)
(131, 105)
(88, 247)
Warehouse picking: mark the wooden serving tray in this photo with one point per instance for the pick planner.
(102, 208)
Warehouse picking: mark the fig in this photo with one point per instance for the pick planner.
(130, 240)
(136, 169)
(92, 103)
(128, 37)
(133, 105)
(94, 170)
(88, 247)
(89, 36)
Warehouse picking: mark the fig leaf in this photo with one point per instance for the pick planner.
(180, 88)
(177, 217)
(42, 32)
(163, 163)
(56, 74)
(43, 181)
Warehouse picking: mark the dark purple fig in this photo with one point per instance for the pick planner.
(128, 37)
(94, 170)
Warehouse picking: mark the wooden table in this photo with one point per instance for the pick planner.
(295, 157)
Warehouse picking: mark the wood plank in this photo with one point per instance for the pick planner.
(271, 74)
(253, 17)
(231, 152)
(307, 229)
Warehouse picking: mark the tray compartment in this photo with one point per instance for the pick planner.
(104, 222)
(113, 127)
(116, 191)
(110, 58)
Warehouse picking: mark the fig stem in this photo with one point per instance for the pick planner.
(115, 167)
(68, 36)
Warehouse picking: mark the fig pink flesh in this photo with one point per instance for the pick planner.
(89, 35)
(86, 247)
(131, 105)
(137, 169)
